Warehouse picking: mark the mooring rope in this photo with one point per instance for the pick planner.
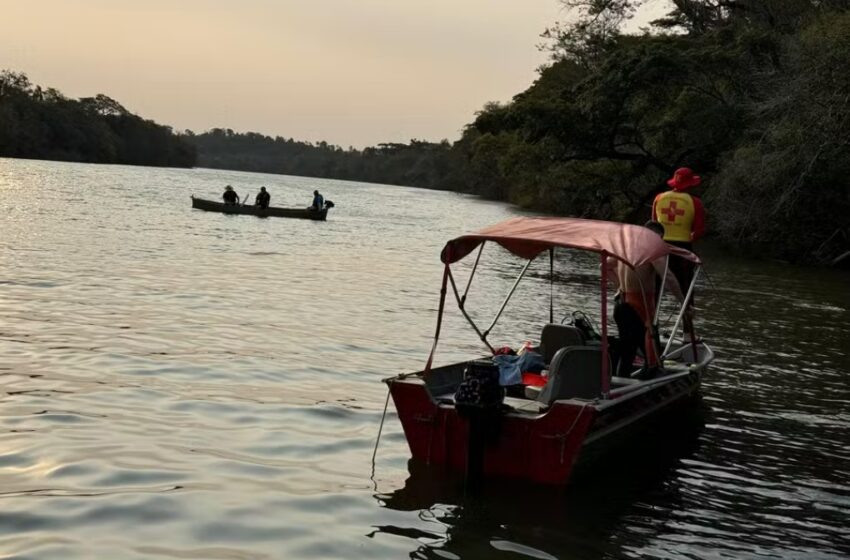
(380, 429)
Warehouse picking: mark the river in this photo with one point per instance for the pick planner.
(182, 384)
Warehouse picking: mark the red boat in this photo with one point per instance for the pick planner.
(541, 434)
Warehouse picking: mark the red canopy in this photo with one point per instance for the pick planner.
(527, 237)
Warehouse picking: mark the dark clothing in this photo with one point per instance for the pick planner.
(263, 200)
(230, 197)
(632, 336)
(318, 202)
(682, 269)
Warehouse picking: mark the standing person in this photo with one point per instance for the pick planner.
(683, 217)
(263, 199)
(634, 310)
(318, 201)
(230, 197)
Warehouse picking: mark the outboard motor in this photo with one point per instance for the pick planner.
(329, 204)
(479, 399)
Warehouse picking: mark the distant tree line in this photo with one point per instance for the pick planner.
(752, 94)
(419, 163)
(44, 124)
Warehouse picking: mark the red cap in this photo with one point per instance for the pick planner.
(684, 178)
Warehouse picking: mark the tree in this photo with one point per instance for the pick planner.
(104, 106)
(42, 123)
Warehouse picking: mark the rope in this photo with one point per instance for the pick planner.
(563, 437)
(380, 429)
(739, 358)
(716, 291)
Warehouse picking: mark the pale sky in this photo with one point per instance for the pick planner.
(350, 72)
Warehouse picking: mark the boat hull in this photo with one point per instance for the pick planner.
(270, 212)
(533, 443)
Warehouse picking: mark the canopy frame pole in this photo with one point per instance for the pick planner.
(481, 335)
(508, 297)
(681, 313)
(462, 300)
(661, 291)
(446, 274)
(649, 323)
(606, 384)
(551, 284)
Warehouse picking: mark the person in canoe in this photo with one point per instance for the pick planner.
(634, 310)
(230, 197)
(263, 198)
(318, 201)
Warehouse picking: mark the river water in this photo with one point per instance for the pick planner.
(182, 384)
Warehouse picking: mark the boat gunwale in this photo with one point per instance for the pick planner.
(599, 404)
(208, 205)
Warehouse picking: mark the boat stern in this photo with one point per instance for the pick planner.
(524, 440)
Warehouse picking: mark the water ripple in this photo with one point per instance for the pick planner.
(181, 384)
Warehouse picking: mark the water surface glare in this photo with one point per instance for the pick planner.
(182, 384)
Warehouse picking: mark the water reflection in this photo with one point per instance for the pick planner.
(503, 519)
(182, 384)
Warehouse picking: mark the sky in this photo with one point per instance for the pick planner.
(349, 72)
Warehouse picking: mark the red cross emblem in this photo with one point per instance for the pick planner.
(672, 211)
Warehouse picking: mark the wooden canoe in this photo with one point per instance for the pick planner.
(271, 211)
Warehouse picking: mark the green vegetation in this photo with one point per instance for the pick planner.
(753, 94)
(422, 164)
(44, 124)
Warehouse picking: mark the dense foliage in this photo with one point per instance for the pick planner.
(753, 94)
(44, 124)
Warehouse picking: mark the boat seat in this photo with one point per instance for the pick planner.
(575, 373)
(555, 336)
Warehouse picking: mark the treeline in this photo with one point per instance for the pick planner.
(752, 94)
(419, 163)
(44, 124)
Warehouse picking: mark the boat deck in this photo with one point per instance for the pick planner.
(442, 382)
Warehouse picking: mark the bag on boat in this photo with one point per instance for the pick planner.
(480, 386)
(582, 323)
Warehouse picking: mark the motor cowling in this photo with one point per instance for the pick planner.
(480, 388)
(479, 400)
